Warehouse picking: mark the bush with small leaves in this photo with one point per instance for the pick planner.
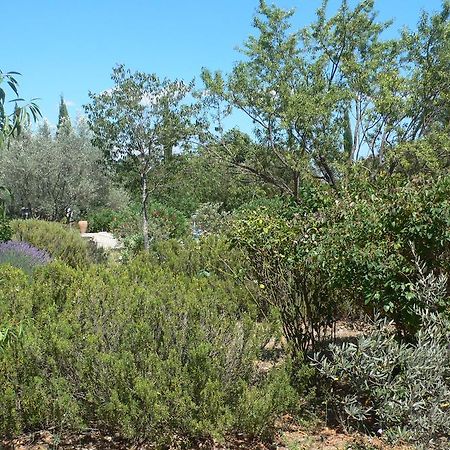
(101, 220)
(209, 218)
(400, 389)
(144, 349)
(5, 229)
(56, 239)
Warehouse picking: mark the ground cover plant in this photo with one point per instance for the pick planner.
(396, 388)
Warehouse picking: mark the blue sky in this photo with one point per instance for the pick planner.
(70, 46)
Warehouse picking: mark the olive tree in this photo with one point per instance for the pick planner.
(49, 174)
(139, 122)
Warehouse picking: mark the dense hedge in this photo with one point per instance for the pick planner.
(135, 348)
(58, 240)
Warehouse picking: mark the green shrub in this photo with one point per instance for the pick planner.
(101, 220)
(322, 259)
(400, 389)
(368, 243)
(209, 218)
(62, 243)
(138, 349)
(163, 223)
(5, 229)
(166, 222)
(210, 254)
(288, 277)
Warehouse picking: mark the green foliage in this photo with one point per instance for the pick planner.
(192, 179)
(428, 156)
(272, 236)
(299, 89)
(209, 218)
(164, 222)
(400, 388)
(367, 243)
(139, 122)
(101, 220)
(64, 124)
(48, 175)
(138, 349)
(62, 243)
(320, 259)
(5, 229)
(11, 123)
(203, 257)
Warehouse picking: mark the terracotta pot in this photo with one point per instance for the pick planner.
(83, 225)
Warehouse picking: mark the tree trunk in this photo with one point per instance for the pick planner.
(296, 182)
(144, 213)
(168, 152)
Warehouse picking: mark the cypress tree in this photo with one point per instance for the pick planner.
(348, 138)
(64, 118)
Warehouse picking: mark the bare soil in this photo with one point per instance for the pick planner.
(290, 437)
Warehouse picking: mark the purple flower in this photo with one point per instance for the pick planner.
(23, 255)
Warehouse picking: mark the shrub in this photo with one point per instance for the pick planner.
(23, 256)
(320, 259)
(400, 388)
(163, 222)
(288, 277)
(209, 218)
(101, 220)
(166, 222)
(367, 243)
(5, 229)
(137, 349)
(60, 242)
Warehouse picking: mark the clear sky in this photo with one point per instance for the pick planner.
(70, 46)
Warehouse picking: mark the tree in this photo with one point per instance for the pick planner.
(63, 117)
(428, 58)
(48, 174)
(11, 123)
(301, 89)
(291, 88)
(139, 122)
(348, 138)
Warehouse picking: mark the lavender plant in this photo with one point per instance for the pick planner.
(23, 255)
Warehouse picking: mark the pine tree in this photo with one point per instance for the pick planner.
(64, 118)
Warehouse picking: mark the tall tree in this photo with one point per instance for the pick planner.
(297, 88)
(63, 117)
(138, 121)
(428, 60)
(50, 174)
(348, 138)
(290, 87)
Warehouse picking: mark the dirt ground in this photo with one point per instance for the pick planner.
(290, 437)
